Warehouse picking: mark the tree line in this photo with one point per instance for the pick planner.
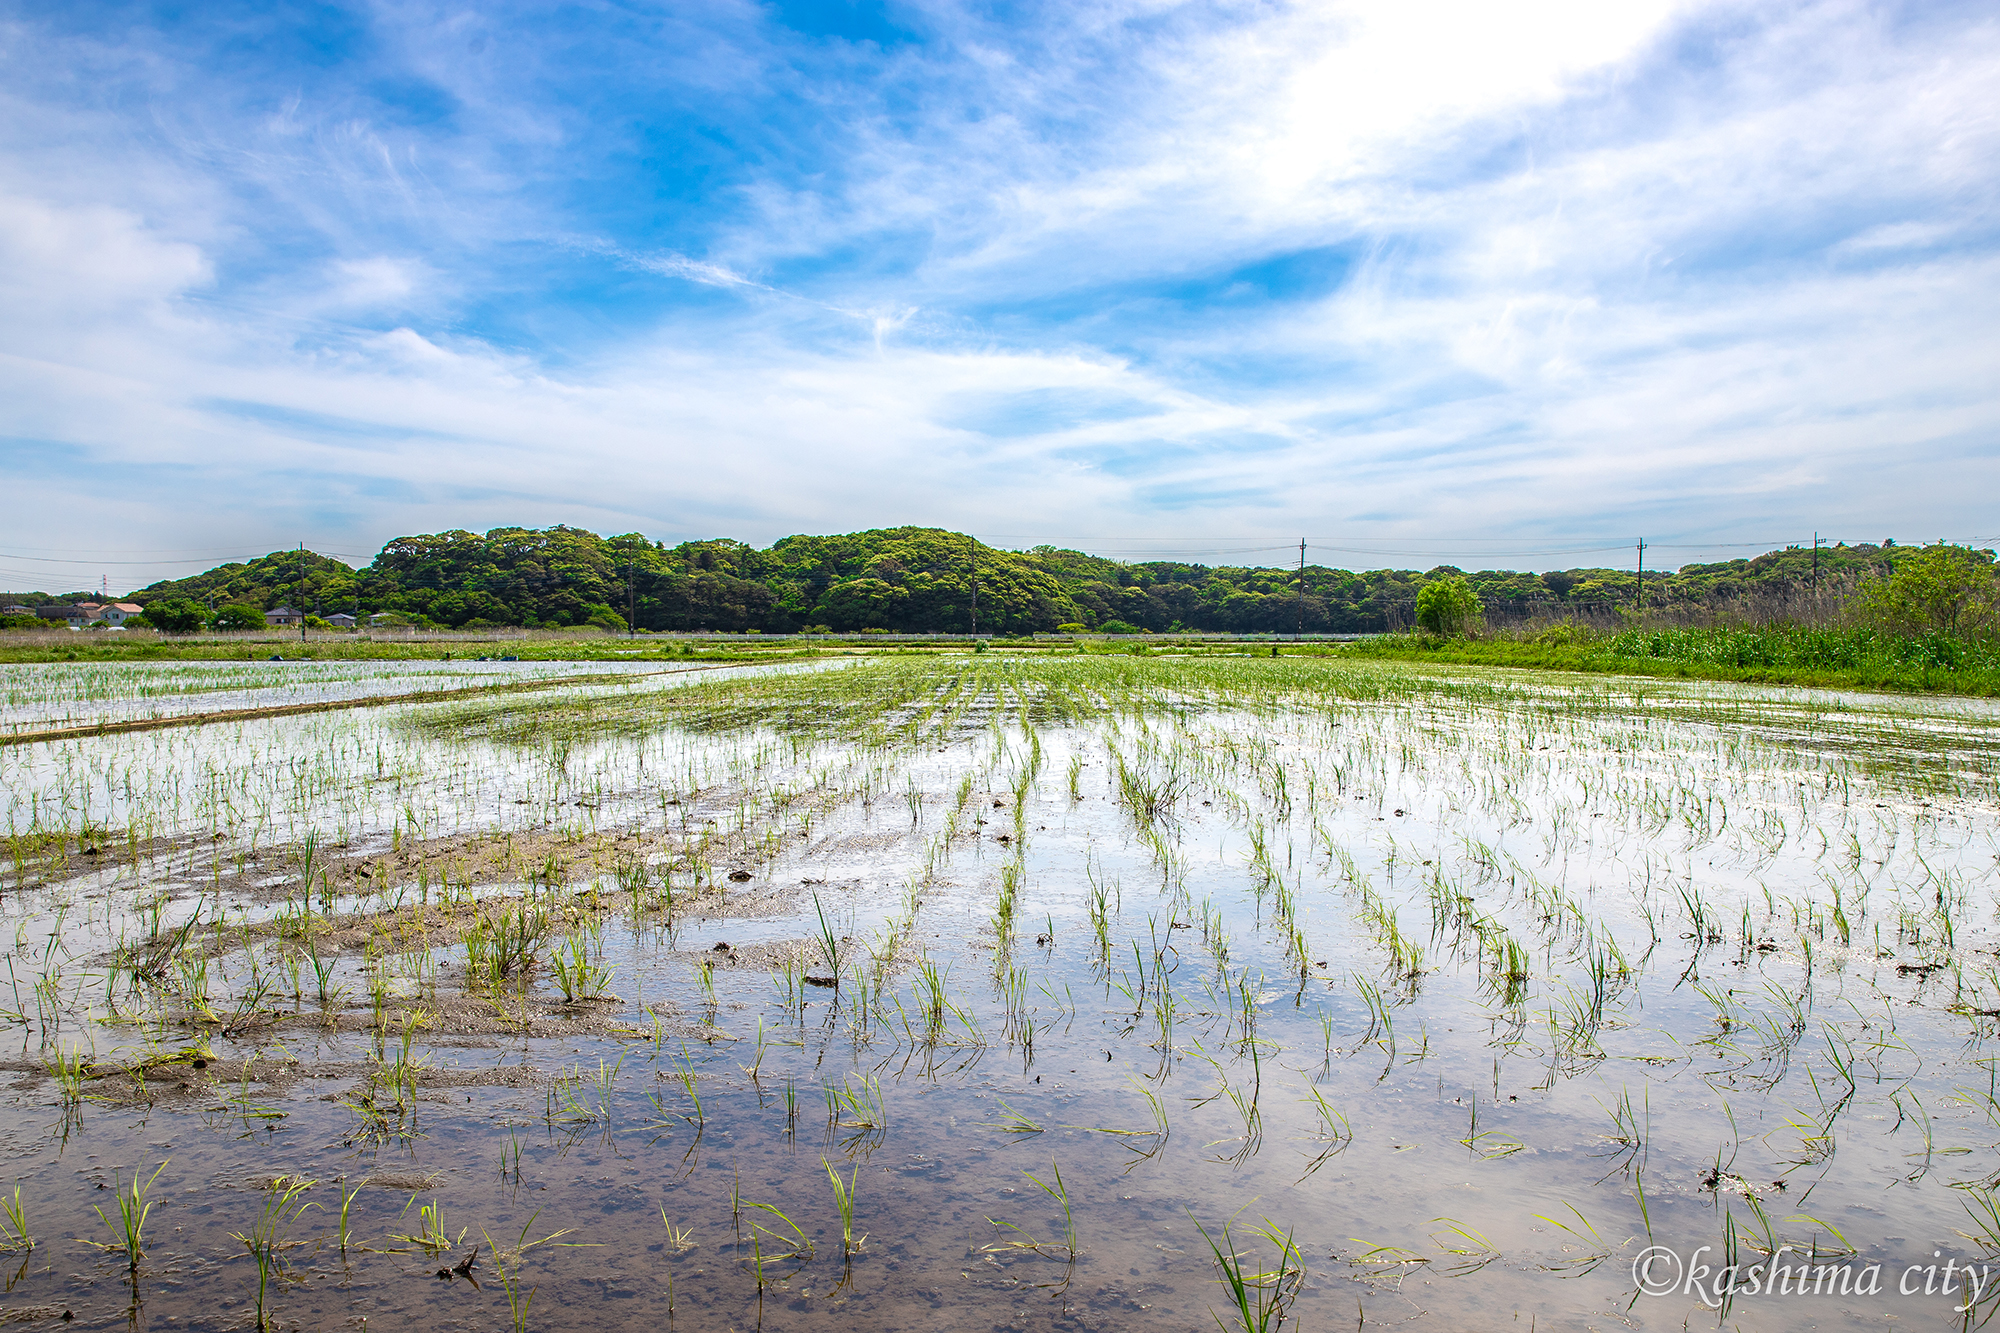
(915, 579)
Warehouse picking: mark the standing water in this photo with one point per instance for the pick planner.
(1068, 992)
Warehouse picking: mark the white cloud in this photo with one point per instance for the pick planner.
(1592, 288)
(376, 281)
(1898, 236)
(59, 263)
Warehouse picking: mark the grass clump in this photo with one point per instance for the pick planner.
(1859, 657)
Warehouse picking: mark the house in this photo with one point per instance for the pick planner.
(16, 609)
(341, 620)
(76, 616)
(283, 615)
(117, 613)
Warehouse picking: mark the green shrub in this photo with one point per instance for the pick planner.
(238, 616)
(1448, 607)
(175, 615)
(1568, 634)
(1941, 588)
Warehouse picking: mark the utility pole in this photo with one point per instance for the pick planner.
(302, 592)
(1642, 576)
(1815, 584)
(632, 599)
(975, 588)
(1301, 629)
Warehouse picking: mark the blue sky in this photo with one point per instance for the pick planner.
(1418, 282)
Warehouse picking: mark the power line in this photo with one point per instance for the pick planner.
(97, 564)
(102, 551)
(1415, 547)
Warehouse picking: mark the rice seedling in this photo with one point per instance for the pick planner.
(1333, 1124)
(856, 1105)
(68, 1067)
(830, 942)
(342, 1234)
(684, 1071)
(1983, 1214)
(679, 1239)
(788, 981)
(1057, 1191)
(932, 996)
(506, 940)
(265, 1239)
(580, 1098)
(843, 1202)
(792, 1243)
(1487, 1143)
(1629, 1123)
(1004, 908)
(1593, 1249)
(1258, 1299)
(578, 973)
(14, 1233)
(757, 1062)
(1149, 798)
(1010, 1121)
(133, 1209)
(518, 1301)
(431, 1235)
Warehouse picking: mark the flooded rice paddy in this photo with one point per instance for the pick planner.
(37, 697)
(1075, 992)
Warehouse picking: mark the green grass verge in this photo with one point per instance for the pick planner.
(620, 650)
(1826, 659)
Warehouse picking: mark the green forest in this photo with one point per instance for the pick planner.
(913, 579)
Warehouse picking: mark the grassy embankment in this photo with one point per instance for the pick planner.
(1863, 659)
(35, 646)
(105, 648)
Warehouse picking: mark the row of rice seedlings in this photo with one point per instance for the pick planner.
(1406, 956)
(1006, 905)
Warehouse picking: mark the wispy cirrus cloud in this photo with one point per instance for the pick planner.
(1716, 269)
